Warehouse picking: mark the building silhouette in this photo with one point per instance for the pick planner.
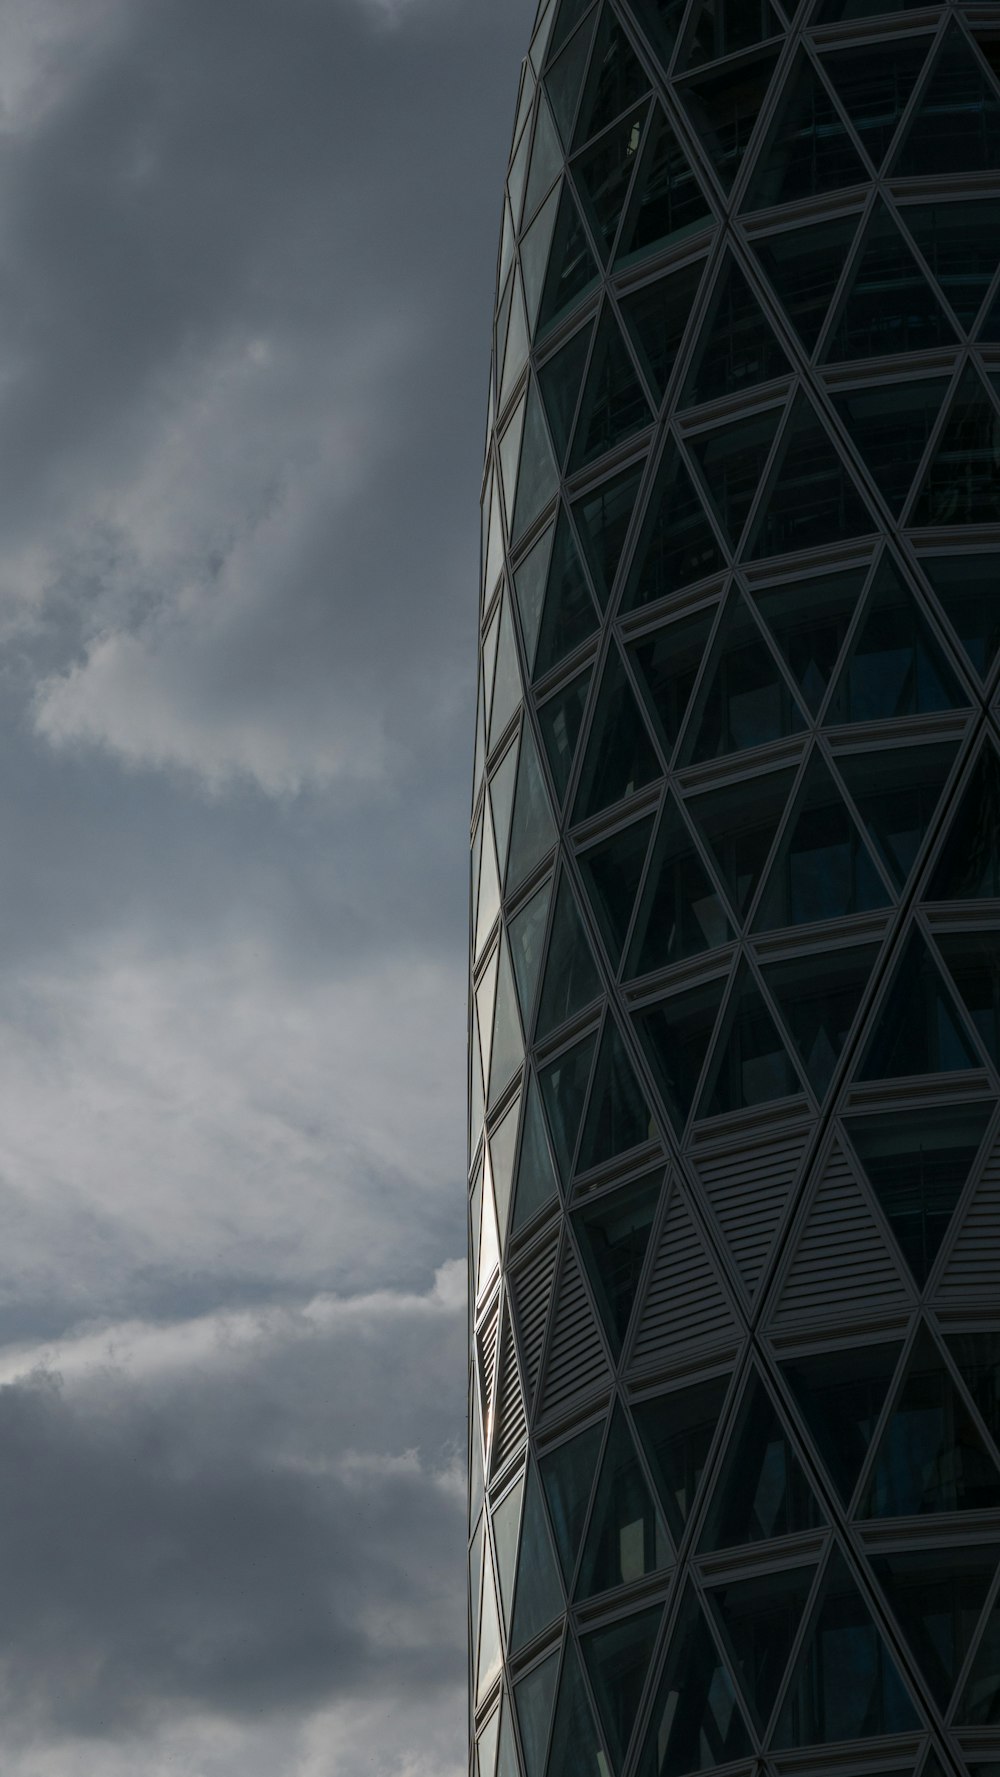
(735, 1008)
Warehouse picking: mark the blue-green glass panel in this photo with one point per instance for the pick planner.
(731, 459)
(896, 793)
(536, 1180)
(568, 616)
(618, 1116)
(737, 346)
(823, 869)
(533, 1697)
(724, 106)
(956, 125)
(617, 1660)
(973, 960)
(961, 243)
(676, 1432)
(667, 202)
(840, 1395)
(750, 1065)
(718, 28)
(739, 829)
(666, 664)
(527, 933)
(656, 316)
(603, 174)
(811, 499)
(575, 1744)
(677, 544)
(696, 1721)
(760, 1617)
(889, 306)
(846, 1686)
(969, 866)
(818, 997)
(681, 913)
(961, 486)
(616, 79)
(571, 980)
(890, 424)
(560, 379)
(538, 1598)
(808, 149)
(559, 720)
(917, 1029)
(573, 270)
(874, 85)
(568, 1478)
(977, 1356)
(564, 79)
(613, 1235)
(675, 1035)
(744, 701)
(809, 619)
(537, 478)
(611, 874)
(937, 1597)
(532, 831)
(967, 587)
(762, 1491)
(803, 265)
(603, 518)
(626, 1538)
(613, 406)
(564, 1091)
(620, 757)
(931, 1458)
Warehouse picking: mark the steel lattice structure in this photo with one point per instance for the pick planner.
(735, 1007)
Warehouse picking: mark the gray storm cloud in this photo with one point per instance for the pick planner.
(246, 262)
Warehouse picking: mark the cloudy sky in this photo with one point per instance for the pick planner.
(246, 261)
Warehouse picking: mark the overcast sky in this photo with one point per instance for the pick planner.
(246, 263)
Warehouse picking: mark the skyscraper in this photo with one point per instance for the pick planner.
(735, 1008)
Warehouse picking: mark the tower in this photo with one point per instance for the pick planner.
(735, 1006)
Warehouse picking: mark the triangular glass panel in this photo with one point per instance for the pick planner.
(611, 874)
(532, 831)
(486, 1746)
(750, 1065)
(569, 15)
(890, 425)
(603, 519)
(896, 792)
(917, 1163)
(536, 1179)
(572, 270)
(959, 243)
(760, 1618)
(569, 616)
(527, 932)
(619, 758)
(537, 478)
(681, 913)
(494, 549)
(743, 701)
(966, 587)
(723, 108)
(506, 1521)
(613, 407)
(930, 1458)
(476, 1223)
(571, 980)
(973, 960)
(489, 1245)
(534, 1696)
(732, 459)
(675, 1035)
(529, 586)
(739, 829)
(488, 903)
(564, 80)
(617, 1660)
(811, 499)
(736, 347)
(575, 1744)
(888, 307)
(845, 1685)
(515, 358)
(613, 1236)
(818, 997)
(977, 1356)
(615, 81)
(564, 1091)
(956, 125)
(667, 203)
(676, 1432)
(873, 85)
(618, 1116)
(502, 801)
(603, 174)
(808, 148)
(535, 255)
(515, 195)
(803, 266)
(696, 1721)
(538, 1598)
(559, 380)
(661, 21)
(918, 1029)
(969, 866)
(559, 721)
(506, 682)
(677, 544)
(546, 161)
(503, 1147)
(490, 1661)
(960, 486)
(720, 28)
(840, 1396)
(666, 664)
(762, 1492)
(937, 1596)
(823, 869)
(568, 1478)
(809, 620)
(626, 1537)
(477, 1092)
(656, 316)
(980, 1704)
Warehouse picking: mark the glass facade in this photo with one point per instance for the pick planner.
(735, 909)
